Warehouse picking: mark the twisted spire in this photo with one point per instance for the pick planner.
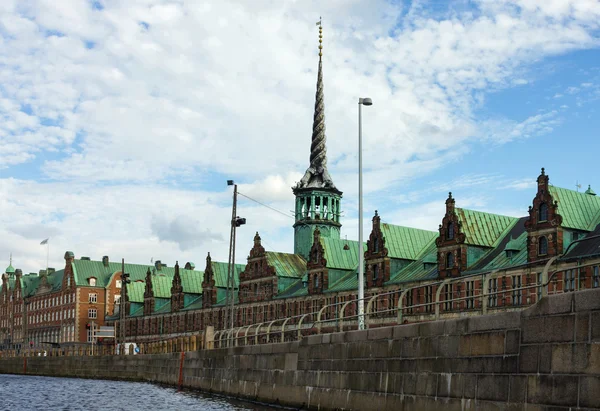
(317, 175)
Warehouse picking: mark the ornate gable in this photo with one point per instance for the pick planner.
(209, 292)
(377, 262)
(318, 278)
(176, 290)
(544, 231)
(258, 281)
(452, 252)
(148, 295)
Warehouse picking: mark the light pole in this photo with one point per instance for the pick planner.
(361, 280)
(235, 222)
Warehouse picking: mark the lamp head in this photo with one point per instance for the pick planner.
(366, 101)
(229, 182)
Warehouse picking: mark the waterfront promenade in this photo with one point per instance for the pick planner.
(545, 357)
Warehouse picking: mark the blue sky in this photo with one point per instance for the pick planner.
(122, 123)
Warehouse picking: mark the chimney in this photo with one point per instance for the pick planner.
(157, 265)
(105, 261)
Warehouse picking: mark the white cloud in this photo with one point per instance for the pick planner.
(156, 95)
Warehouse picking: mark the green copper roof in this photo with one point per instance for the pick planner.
(286, 265)
(161, 286)
(589, 191)
(405, 242)
(416, 271)
(513, 245)
(518, 245)
(135, 291)
(191, 281)
(484, 229)
(579, 210)
(10, 269)
(194, 304)
(337, 256)
(220, 273)
(347, 282)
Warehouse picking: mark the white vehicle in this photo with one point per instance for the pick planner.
(129, 348)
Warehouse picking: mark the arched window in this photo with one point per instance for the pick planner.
(543, 212)
(543, 246)
(375, 245)
(316, 280)
(316, 256)
(450, 260)
(450, 235)
(92, 281)
(375, 272)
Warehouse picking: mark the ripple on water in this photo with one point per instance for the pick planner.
(72, 394)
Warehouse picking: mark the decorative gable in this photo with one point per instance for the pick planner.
(544, 225)
(148, 295)
(377, 262)
(209, 291)
(452, 253)
(176, 290)
(258, 281)
(318, 278)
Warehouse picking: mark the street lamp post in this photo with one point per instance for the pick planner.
(361, 280)
(236, 221)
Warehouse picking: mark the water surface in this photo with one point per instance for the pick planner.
(23, 392)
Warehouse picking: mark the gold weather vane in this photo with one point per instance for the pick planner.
(320, 24)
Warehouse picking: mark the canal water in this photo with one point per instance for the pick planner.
(18, 392)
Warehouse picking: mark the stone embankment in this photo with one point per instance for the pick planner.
(544, 358)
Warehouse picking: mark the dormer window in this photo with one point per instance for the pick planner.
(543, 246)
(316, 256)
(92, 281)
(543, 211)
(450, 231)
(316, 281)
(450, 260)
(375, 245)
(375, 272)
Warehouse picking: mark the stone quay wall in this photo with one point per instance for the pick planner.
(544, 358)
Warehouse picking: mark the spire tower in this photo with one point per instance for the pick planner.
(317, 198)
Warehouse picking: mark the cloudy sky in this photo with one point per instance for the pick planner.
(120, 121)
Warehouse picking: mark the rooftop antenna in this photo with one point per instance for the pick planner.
(577, 185)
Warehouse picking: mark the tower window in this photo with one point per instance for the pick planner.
(450, 231)
(543, 212)
(543, 246)
(450, 260)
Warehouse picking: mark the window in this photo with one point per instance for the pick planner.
(569, 280)
(596, 277)
(470, 292)
(118, 283)
(575, 236)
(543, 212)
(543, 246)
(375, 272)
(492, 290)
(429, 298)
(516, 290)
(117, 299)
(68, 281)
(92, 281)
(316, 280)
(450, 260)
(93, 298)
(450, 231)
(92, 313)
(375, 245)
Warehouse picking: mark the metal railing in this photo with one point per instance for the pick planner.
(480, 300)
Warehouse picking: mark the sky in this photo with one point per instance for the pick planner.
(120, 122)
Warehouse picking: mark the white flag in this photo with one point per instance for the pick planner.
(45, 241)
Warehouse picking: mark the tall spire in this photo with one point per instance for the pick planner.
(317, 176)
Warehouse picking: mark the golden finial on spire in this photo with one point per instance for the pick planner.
(320, 24)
